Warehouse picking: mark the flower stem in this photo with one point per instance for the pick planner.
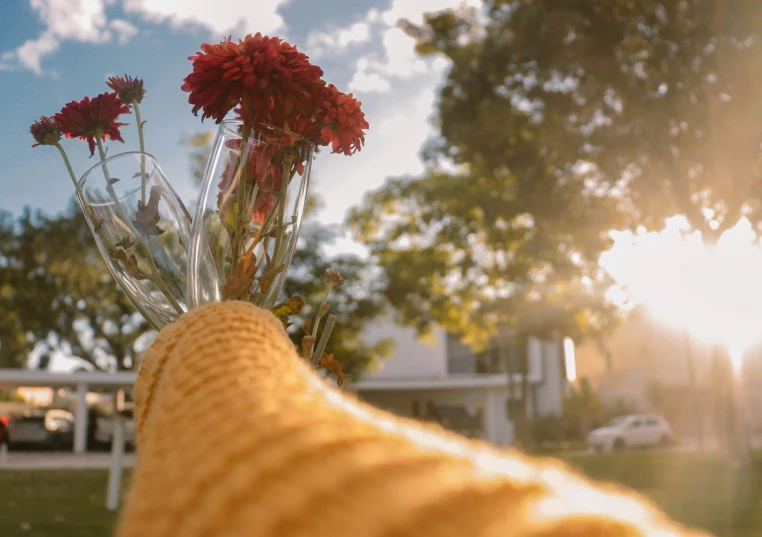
(286, 179)
(238, 230)
(320, 311)
(68, 166)
(142, 150)
(315, 358)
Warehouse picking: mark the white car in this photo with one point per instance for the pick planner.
(636, 430)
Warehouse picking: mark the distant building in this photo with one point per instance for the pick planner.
(447, 381)
(644, 354)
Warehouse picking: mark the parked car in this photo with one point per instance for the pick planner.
(104, 429)
(53, 429)
(635, 430)
(457, 419)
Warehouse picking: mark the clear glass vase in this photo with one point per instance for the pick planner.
(248, 216)
(142, 230)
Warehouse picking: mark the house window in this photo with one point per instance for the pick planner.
(502, 354)
(499, 358)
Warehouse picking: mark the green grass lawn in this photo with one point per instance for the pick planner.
(54, 503)
(693, 488)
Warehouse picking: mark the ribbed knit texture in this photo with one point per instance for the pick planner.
(237, 437)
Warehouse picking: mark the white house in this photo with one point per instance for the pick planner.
(423, 377)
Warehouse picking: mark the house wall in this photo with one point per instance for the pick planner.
(461, 359)
(553, 386)
(413, 357)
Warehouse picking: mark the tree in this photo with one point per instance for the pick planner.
(658, 98)
(582, 408)
(516, 227)
(356, 303)
(561, 121)
(59, 295)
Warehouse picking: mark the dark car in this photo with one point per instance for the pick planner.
(52, 429)
(458, 419)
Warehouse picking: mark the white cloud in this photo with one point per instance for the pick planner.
(124, 30)
(31, 52)
(363, 81)
(397, 58)
(80, 20)
(220, 16)
(323, 43)
(87, 21)
(398, 129)
(75, 20)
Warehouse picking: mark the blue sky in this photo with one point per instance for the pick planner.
(55, 51)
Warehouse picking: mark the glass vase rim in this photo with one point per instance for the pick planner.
(100, 163)
(226, 123)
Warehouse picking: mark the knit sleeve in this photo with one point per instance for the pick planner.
(237, 437)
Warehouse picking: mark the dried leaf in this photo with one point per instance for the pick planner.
(267, 279)
(97, 222)
(240, 278)
(147, 216)
(308, 325)
(126, 242)
(286, 309)
(328, 362)
(308, 342)
(130, 264)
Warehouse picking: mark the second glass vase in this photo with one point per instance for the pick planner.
(248, 216)
(142, 230)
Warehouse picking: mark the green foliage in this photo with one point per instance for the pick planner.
(582, 402)
(57, 294)
(659, 98)
(560, 121)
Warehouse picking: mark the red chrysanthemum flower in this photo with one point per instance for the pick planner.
(263, 205)
(343, 122)
(262, 164)
(45, 131)
(269, 78)
(129, 89)
(89, 119)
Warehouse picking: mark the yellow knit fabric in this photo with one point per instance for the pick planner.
(237, 437)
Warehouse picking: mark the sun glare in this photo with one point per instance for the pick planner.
(714, 293)
(736, 357)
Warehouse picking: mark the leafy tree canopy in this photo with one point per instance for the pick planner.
(57, 294)
(559, 121)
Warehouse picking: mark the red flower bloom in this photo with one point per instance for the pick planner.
(266, 76)
(129, 89)
(260, 163)
(92, 118)
(264, 203)
(343, 121)
(45, 131)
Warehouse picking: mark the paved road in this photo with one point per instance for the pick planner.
(32, 460)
